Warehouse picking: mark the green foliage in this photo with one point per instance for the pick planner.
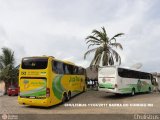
(104, 50)
(7, 71)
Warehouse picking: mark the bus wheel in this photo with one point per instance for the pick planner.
(149, 90)
(69, 96)
(133, 92)
(64, 99)
(84, 89)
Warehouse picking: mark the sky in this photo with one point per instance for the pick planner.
(59, 27)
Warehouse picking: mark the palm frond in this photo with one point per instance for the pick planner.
(105, 58)
(104, 30)
(116, 56)
(89, 51)
(117, 35)
(92, 38)
(1, 66)
(97, 34)
(92, 45)
(117, 45)
(93, 41)
(111, 60)
(105, 51)
(96, 60)
(119, 59)
(105, 37)
(97, 56)
(7, 57)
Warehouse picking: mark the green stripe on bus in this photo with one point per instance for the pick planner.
(57, 87)
(36, 91)
(107, 85)
(144, 87)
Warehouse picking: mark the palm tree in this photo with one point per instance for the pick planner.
(104, 51)
(7, 71)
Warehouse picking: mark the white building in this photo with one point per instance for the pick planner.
(2, 88)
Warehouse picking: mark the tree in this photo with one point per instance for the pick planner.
(7, 71)
(104, 51)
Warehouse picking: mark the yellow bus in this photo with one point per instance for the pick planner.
(46, 81)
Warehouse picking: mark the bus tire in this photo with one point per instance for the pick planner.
(64, 99)
(149, 90)
(69, 96)
(84, 89)
(133, 92)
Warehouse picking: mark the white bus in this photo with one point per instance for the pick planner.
(122, 81)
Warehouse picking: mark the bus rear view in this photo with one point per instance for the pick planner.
(33, 81)
(107, 79)
(124, 80)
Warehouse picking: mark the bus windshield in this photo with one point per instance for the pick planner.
(34, 63)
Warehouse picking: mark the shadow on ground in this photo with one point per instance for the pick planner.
(54, 106)
(122, 96)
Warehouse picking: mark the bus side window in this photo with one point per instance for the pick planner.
(54, 66)
(75, 70)
(129, 74)
(70, 68)
(66, 71)
(80, 71)
(136, 75)
(61, 71)
(57, 67)
(148, 76)
(83, 71)
(60, 68)
(123, 73)
(120, 72)
(143, 76)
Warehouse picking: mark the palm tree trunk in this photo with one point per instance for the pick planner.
(101, 61)
(6, 87)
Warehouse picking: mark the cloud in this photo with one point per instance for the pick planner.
(59, 28)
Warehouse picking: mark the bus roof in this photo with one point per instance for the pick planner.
(64, 61)
(68, 62)
(124, 68)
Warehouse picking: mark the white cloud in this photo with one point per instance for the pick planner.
(59, 28)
